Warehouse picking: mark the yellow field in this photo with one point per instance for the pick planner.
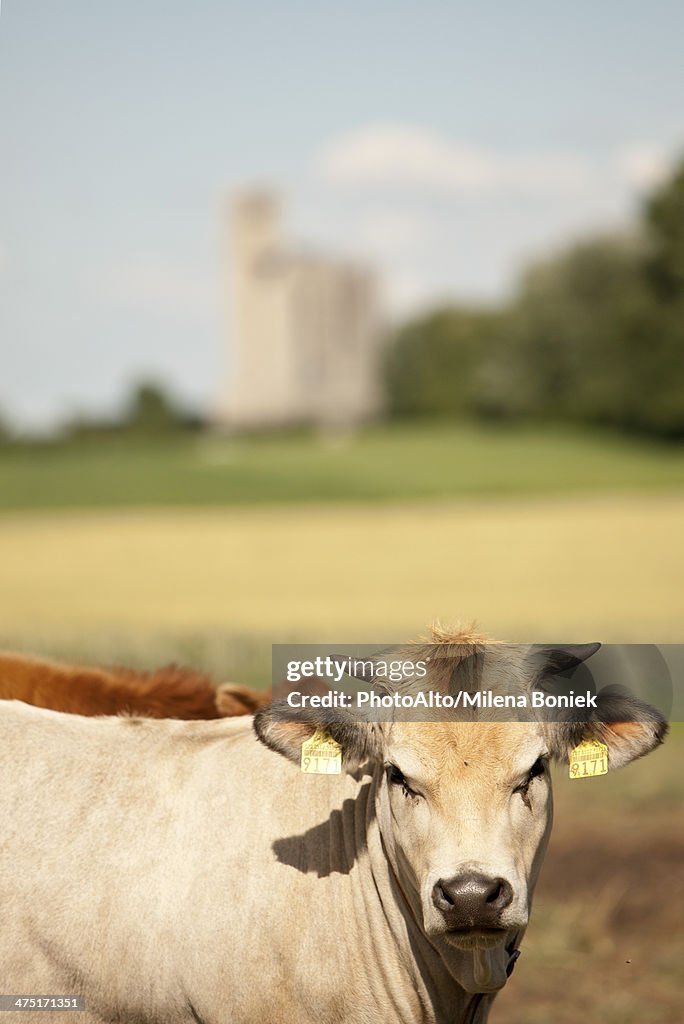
(609, 568)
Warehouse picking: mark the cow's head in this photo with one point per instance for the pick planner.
(465, 807)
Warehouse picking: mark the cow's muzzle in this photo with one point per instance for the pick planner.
(472, 901)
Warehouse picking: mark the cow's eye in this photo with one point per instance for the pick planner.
(537, 769)
(396, 777)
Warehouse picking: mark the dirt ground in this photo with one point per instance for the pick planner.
(606, 942)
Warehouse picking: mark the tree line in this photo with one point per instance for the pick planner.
(594, 335)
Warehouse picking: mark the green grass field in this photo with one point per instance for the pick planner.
(400, 463)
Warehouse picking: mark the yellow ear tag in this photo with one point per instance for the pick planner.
(321, 755)
(588, 758)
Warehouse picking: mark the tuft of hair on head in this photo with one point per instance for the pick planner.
(457, 633)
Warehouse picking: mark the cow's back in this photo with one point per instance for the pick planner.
(146, 863)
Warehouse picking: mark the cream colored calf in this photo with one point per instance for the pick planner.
(183, 872)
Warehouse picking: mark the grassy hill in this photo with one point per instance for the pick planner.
(399, 463)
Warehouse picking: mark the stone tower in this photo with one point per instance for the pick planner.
(306, 329)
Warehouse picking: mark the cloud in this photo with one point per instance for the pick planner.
(643, 165)
(412, 157)
(404, 155)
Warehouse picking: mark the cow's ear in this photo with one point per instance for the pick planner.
(555, 658)
(629, 728)
(360, 741)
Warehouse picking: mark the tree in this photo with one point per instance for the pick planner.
(5, 430)
(593, 335)
(562, 345)
(664, 229)
(431, 363)
(660, 362)
(150, 410)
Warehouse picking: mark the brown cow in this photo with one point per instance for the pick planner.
(169, 692)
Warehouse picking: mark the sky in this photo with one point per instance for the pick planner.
(445, 144)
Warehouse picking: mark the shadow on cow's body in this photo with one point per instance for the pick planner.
(322, 849)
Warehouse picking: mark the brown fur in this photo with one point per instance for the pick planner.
(169, 692)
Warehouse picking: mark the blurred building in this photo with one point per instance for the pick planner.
(305, 333)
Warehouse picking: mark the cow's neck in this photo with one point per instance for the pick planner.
(456, 988)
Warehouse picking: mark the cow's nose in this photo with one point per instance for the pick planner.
(472, 900)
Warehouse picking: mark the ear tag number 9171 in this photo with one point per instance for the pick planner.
(588, 758)
(321, 755)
